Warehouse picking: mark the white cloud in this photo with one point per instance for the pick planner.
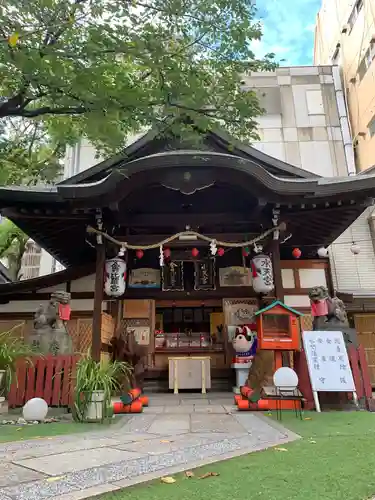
(288, 29)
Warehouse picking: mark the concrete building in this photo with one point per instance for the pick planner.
(37, 262)
(345, 36)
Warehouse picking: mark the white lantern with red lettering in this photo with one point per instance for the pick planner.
(262, 272)
(115, 277)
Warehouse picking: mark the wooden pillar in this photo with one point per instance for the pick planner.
(98, 299)
(276, 264)
(281, 358)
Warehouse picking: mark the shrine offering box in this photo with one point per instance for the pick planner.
(278, 327)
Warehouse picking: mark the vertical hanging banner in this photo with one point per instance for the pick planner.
(204, 274)
(173, 276)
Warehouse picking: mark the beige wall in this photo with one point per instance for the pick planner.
(303, 123)
(345, 34)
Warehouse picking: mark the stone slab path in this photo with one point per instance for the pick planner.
(175, 433)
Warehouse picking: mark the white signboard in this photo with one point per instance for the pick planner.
(328, 362)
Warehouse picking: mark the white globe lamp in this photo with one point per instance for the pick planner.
(35, 410)
(322, 252)
(285, 378)
(355, 249)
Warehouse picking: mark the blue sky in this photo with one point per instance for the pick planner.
(288, 29)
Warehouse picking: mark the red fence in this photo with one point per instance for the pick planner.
(360, 372)
(48, 377)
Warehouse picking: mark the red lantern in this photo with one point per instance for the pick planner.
(296, 253)
(139, 254)
(167, 253)
(220, 251)
(195, 252)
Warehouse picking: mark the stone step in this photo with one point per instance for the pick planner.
(155, 386)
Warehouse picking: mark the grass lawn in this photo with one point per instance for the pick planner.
(335, 459)
(19, 433)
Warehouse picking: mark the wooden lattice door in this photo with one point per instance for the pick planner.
(365, 326)
(81, 333)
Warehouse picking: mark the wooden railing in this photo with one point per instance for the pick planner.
(49, 378)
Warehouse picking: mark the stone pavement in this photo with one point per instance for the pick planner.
(175, 433)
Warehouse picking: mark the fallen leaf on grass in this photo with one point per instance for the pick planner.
(19, 429)
(209, 474)
(307, 418)
(55, 478)
(312, 441)
(280, 449)
(189, 473)
(168, 480)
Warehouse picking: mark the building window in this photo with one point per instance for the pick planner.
(366, 61)
(336, 58)
(371, 127)
(314, 99)
(356, 156)
(370, 54)
(355, 12)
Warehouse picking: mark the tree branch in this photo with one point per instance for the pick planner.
(47, 110)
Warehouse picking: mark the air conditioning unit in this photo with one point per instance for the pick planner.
(345, 28)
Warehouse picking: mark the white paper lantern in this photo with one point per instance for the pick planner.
(35, 409)
(355, 249)
(262, 273)
(115, 277)
(285, 378)
(322, 252)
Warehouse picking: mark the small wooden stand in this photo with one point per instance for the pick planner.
(184, 373)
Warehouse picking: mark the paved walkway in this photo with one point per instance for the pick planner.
(175, 433)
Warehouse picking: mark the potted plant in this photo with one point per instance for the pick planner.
(95, 383)
(12, 348)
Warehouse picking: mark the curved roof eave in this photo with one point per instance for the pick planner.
(312, 187)
(218, 135)
(316, 187)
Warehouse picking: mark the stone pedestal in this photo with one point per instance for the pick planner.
(3, 406)
(51, 341)
(242, 373)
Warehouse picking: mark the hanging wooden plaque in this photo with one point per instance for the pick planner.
(204, 275)
(173, 276)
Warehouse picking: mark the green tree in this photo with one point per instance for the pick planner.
(27, 155)
(12, 247)
(107, 68)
